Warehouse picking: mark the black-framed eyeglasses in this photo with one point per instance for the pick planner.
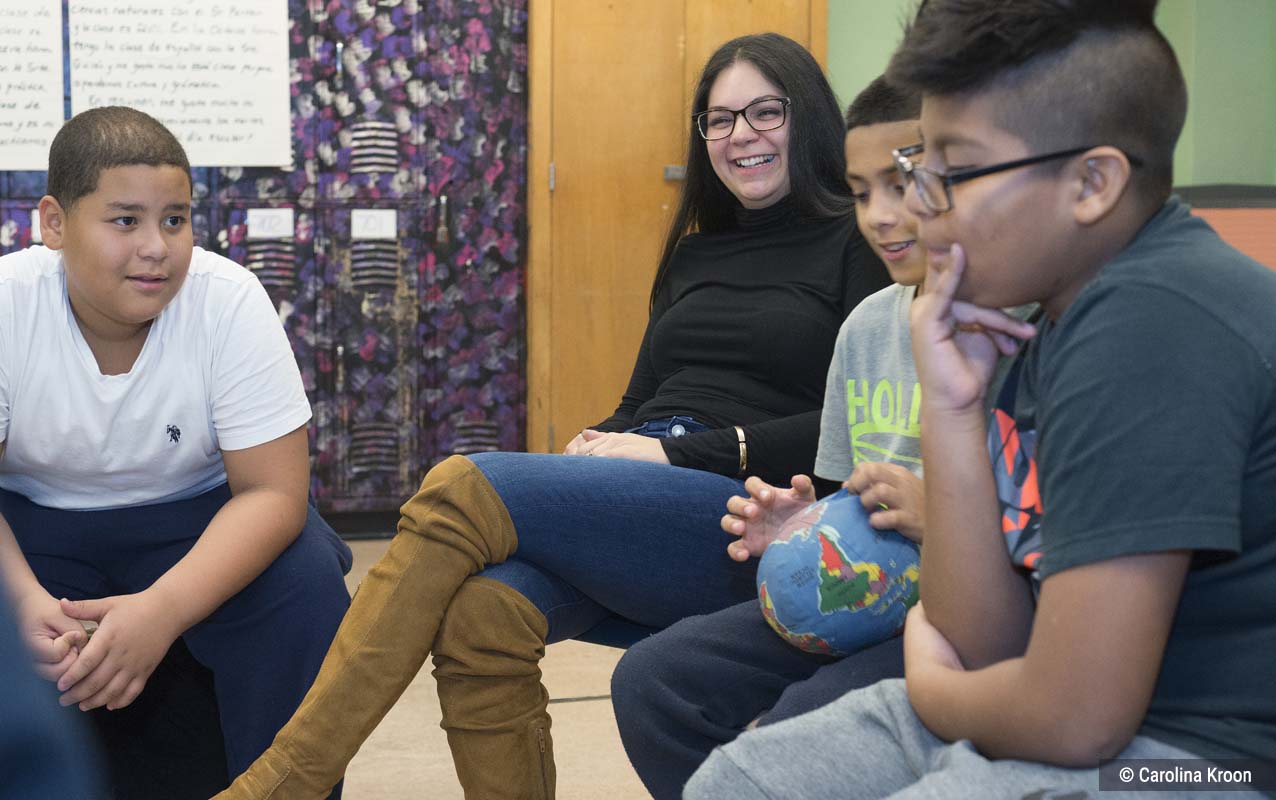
(766, 114)
(936, 188)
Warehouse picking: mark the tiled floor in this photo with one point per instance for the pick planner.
(407, 756)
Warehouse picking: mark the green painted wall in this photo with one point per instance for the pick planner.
(1227, 49)
(862, 36)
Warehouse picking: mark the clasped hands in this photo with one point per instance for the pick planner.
(111, 667)
(617, 445)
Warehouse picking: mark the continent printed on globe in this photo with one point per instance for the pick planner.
(858, 585)
(802, 641)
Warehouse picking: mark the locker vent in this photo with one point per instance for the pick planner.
(374, 147)
(476, 437)
(374, 447)
(374, 265)
(274, 261)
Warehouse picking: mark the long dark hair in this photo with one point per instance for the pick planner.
(817, 163)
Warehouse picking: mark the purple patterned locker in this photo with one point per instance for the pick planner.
(474, 76)
(366, 101)
(368, 402)
(276, 240)
(472, 335)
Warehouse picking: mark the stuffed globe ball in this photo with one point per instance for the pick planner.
(830, 583)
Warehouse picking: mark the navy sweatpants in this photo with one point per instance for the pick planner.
(698, 683)
(263, 646)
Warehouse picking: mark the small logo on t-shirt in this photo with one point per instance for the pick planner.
(174, 433)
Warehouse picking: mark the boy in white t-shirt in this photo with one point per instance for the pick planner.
(153, 449)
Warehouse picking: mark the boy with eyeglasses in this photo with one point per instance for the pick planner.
(1132, 445)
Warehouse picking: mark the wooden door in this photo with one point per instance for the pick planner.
(611, 86)
(712, 22)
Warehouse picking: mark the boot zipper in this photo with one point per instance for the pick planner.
(540, 740)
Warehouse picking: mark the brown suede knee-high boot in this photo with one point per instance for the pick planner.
(453, 527)
(487, 664)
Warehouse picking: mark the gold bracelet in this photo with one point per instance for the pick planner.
(744, 449)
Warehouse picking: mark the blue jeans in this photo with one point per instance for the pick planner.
(607, 536)
(263, 646)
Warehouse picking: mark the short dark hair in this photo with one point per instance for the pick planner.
(102, 138)
(881, 102)
(816, 160)
(1074, 73)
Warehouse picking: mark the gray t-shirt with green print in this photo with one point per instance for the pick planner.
(872, 400)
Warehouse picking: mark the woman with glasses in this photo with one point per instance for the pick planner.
(499, 554)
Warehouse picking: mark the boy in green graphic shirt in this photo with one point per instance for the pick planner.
(870, 434)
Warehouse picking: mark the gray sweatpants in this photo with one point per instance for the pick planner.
(869, 745)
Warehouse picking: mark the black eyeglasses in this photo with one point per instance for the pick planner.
(766, 114)
(936, 188)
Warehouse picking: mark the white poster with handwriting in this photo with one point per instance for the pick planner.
(30, 82)
(214, 71)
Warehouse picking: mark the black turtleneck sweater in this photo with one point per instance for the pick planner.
(742, 332)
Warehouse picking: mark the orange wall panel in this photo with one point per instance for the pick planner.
(1250, 230)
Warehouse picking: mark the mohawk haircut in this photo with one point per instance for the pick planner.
(881, 102)
(106, 137)
(1064, 73)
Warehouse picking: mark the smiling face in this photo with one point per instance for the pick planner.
(1016, 227)
(880, 211)
(126, 247)
(753, 165)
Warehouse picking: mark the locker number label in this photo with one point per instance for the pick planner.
(374, 223)
(270, 223)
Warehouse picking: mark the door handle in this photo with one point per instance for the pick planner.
(675, 172)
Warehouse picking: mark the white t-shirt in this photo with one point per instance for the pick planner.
(216, 373)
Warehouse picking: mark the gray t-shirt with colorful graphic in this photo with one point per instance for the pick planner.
(872, 401)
